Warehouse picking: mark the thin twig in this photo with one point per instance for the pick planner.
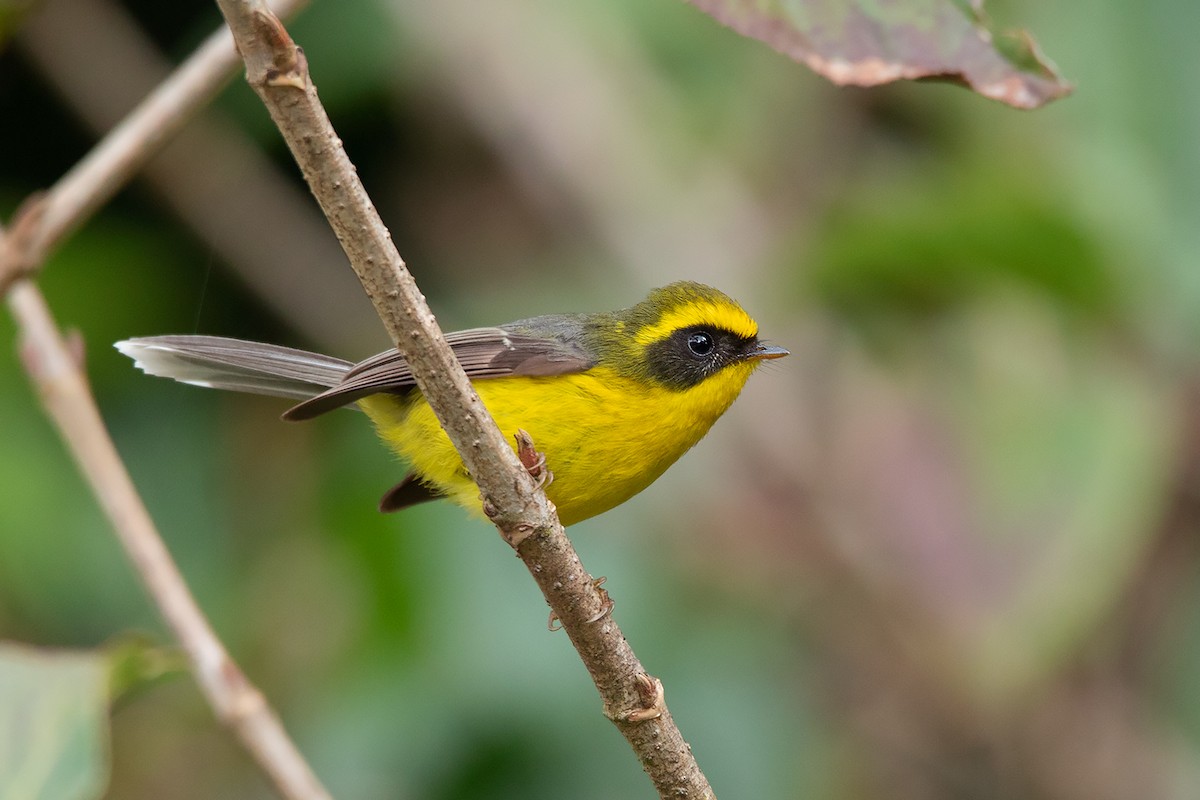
(278, 72)
(212, 173)
(67, 398)
(125, 149)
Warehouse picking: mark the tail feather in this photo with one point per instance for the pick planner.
(236, 365)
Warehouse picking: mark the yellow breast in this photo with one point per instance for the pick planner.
(605, 437)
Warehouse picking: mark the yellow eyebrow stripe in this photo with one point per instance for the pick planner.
(724, 316)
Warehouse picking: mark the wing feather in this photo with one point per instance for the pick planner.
(483, 353)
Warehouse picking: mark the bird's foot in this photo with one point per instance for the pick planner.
(533, 461)
(607, 604)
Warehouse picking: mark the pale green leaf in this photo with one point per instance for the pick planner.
(53, 724)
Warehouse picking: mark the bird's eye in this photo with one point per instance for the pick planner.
(700, 343)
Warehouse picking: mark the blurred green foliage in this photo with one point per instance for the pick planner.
(924, 246)
(948, 549)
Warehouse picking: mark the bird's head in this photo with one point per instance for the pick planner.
(683, 334)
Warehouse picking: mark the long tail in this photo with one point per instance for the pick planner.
(257, 368)
(236, 365)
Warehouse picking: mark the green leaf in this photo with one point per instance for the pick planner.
(868, 42)
(135, 662)
(53, 724)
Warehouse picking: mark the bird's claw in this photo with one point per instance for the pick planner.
(607, 604)
(533, 461)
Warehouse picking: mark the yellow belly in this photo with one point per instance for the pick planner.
(605, 437)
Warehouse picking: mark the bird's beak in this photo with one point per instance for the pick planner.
(766, 351)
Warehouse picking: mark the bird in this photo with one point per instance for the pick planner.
(611, 398)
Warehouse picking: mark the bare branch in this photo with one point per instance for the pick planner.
(64, 391)
(113, 162)
(212, 174)
(67, 398)
(277, 71)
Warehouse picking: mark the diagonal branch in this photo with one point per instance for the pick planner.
(211, 174)
(124, 150)
(278, 72)
(67, 398)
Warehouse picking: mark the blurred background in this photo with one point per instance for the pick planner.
(948, 549)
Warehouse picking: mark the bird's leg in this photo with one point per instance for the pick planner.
(534, 462)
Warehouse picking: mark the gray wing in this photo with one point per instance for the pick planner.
(483, 353)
